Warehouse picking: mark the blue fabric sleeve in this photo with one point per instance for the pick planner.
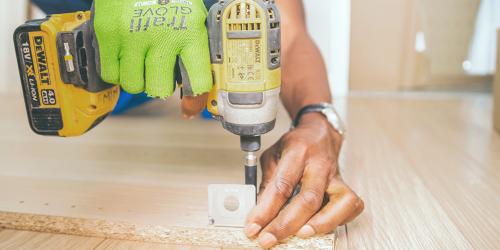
(65, 6)
(62, 6)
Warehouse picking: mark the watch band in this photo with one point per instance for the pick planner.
(323, 108)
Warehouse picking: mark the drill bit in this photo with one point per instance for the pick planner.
(250, 145)
(251, 169)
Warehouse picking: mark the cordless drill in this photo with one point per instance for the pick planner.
(245, 50)
(65, 96)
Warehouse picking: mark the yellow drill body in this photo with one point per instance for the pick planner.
(244, 66)
(245, 53)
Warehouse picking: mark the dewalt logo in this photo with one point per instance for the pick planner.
(41, 58)
(258, 52)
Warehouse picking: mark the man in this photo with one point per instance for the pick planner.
(142, 60)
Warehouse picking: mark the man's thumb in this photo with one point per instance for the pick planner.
(193, 105)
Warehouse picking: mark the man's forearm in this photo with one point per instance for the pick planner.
(304, 73)
(305, 79)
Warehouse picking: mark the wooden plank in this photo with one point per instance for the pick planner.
(496, 89)
(201, 237)
(11, 239)
(14, 239)
(135, 245)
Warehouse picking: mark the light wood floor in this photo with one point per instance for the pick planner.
(14, 239)
(427, 166)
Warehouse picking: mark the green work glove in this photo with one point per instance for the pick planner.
(138, 43)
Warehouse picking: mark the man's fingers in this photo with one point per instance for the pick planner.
(107, 46)
(193, 105)
(269, 163)
(196, 62)
(108, 59)
(359, 207)
(302, 207)
(132, 71)
(160, 73)
(344, 205)
(279, 190)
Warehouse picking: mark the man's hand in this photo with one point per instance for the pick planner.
(307, 156)
(139, 42)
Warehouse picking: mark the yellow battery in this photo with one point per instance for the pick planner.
(61, 101)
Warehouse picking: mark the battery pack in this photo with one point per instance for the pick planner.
(63, 94)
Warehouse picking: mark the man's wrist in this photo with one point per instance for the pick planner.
(313, 118)
(320, 114)
(319, 122)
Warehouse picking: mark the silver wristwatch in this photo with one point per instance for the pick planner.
(327, 110)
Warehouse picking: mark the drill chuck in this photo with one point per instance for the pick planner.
(250, 143)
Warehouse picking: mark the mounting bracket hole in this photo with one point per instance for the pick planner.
(231, 203)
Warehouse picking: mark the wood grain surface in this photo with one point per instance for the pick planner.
(427, 166)
(11, 239)
(142, 177)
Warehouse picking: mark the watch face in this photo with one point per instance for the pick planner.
(334, 119)
(325, 105)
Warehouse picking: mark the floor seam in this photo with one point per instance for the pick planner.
(100, 243)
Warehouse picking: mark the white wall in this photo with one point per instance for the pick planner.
(482, 53)
(329, 25)
(12, 14)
